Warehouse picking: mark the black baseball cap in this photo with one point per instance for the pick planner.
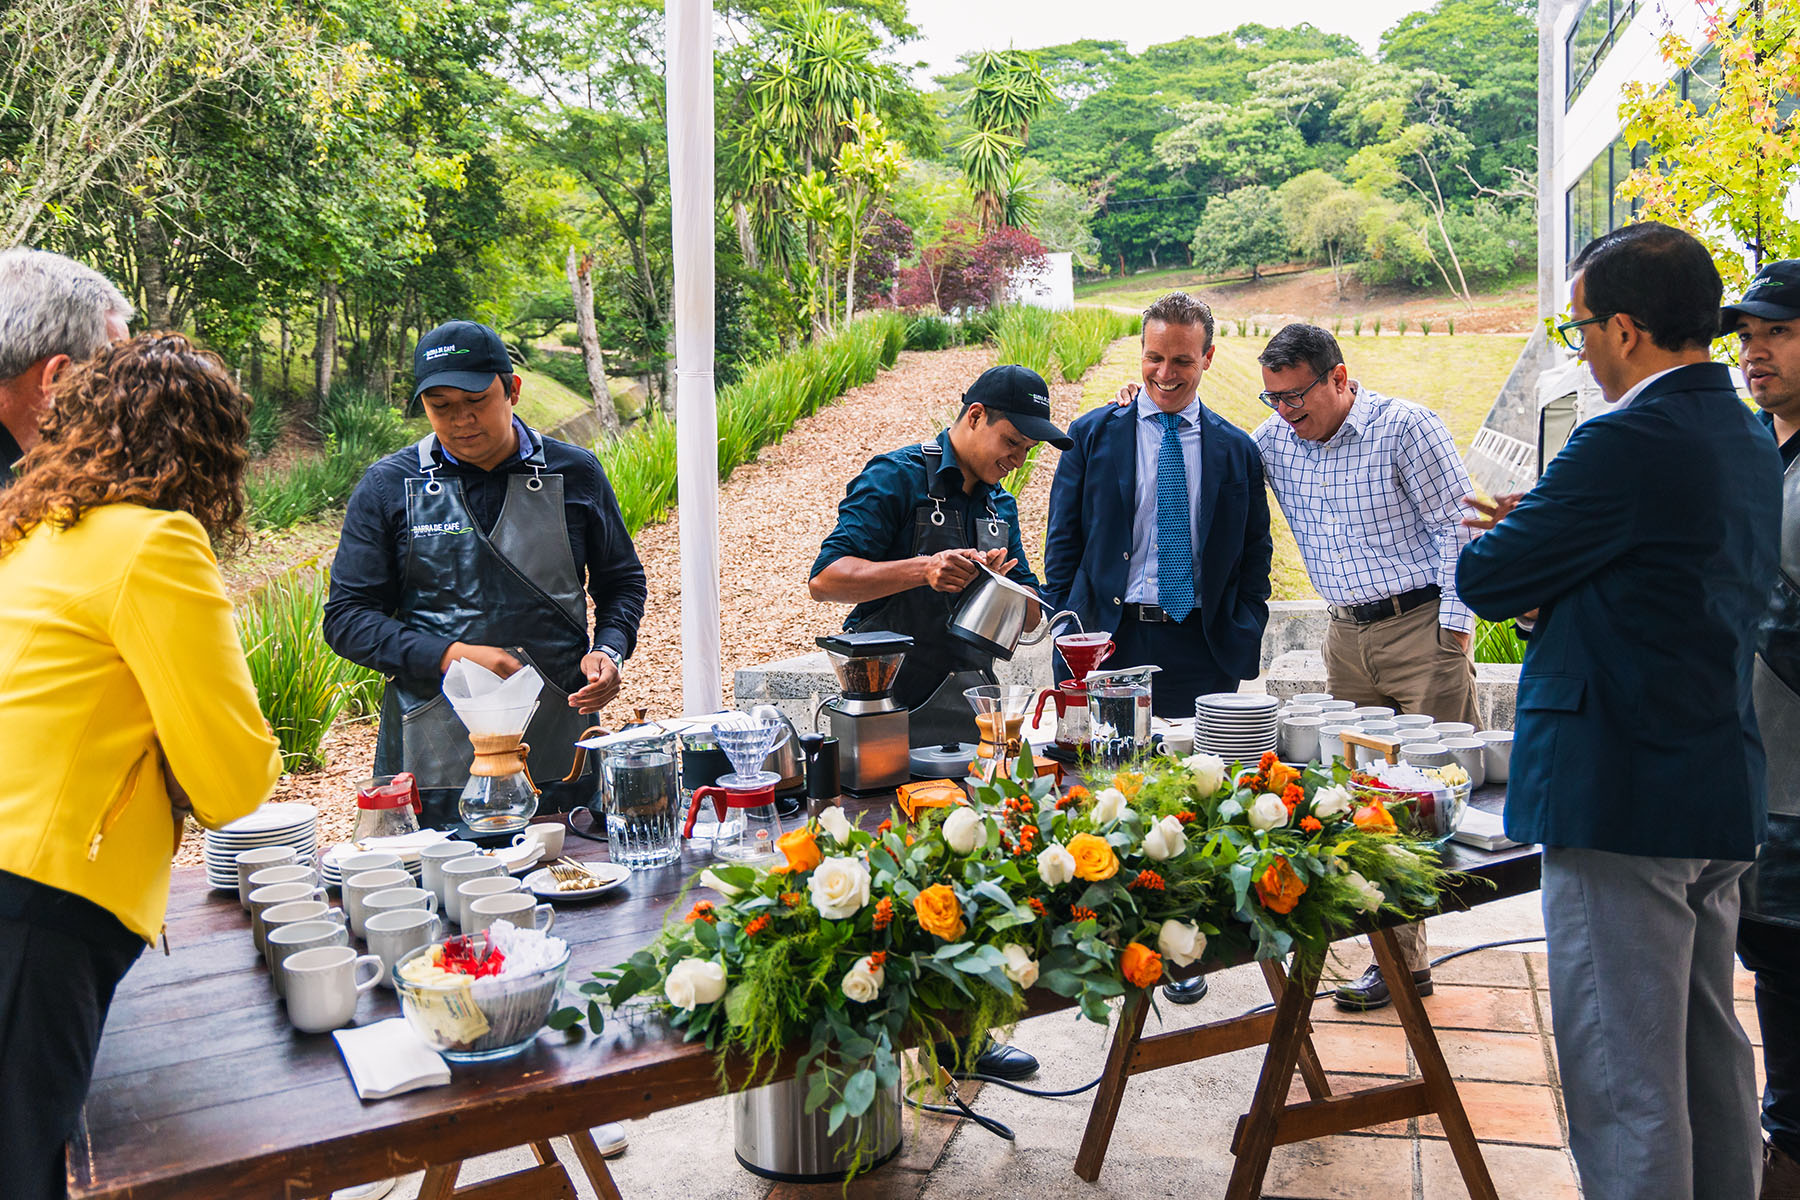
(1774, 295)
(459, 354)
(1023, 397)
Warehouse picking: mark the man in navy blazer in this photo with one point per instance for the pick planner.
(1159, 525)
(1643, 557)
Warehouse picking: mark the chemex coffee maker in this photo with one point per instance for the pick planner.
(871, 727)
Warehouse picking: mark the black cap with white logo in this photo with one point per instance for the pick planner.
(1774, 295)
(459, 354)
(1022, 397)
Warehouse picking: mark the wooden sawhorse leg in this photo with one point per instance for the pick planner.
(546, 1181)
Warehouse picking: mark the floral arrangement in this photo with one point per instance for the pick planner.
(864, 941)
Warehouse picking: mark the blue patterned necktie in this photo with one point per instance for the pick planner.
(1174, 524)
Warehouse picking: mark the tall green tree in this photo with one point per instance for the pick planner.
(1241, 229)
(1007, 93)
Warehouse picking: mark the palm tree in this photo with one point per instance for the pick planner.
(1009, 92)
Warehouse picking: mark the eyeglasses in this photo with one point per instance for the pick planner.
(1292, 401)
(1570, 333)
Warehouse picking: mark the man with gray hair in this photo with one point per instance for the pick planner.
(53, 312)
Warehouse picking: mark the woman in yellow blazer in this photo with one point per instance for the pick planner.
(124, 702)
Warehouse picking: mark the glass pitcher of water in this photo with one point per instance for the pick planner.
(1118, 721)
(640, 793)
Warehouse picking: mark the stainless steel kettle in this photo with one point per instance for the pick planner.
(991, 615)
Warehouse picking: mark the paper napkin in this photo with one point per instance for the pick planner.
(388, 1058)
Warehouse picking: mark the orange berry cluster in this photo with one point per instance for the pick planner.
(703, 911)
(1148, 881)
(877, 960)
(882, 828)
(884, 913)
(1186, 817)
(1311, 824)
(757, 926)
(1078, 913)
(1037, 906)
(791, 899)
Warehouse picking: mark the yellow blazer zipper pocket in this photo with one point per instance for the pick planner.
(116, 809)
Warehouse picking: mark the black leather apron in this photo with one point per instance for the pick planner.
(1772, 887)
(516, 587)
(939, 666)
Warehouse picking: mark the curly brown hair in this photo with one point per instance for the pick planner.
(155, 421)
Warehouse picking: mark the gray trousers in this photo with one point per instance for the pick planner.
(1657, 1074)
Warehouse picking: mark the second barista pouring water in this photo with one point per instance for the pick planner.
(912, 526)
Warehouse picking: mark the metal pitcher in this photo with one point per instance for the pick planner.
(991, 615)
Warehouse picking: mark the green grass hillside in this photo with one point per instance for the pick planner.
(1456, 377)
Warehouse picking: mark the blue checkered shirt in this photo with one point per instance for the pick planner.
(1377, 508)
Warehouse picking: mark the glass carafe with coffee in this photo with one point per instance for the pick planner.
(500, 796)
(749, 826)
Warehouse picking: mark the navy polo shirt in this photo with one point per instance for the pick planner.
(875, 519)
(1790, 449)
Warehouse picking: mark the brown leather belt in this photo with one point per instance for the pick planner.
(1388, 606)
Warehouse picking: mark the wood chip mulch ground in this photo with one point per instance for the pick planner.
(773, 515)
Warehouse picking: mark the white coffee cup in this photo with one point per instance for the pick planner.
(265, 898)
(249, 862)
(1311, 698)
(471, 890)
(1379, 725)
(1448, 729)
(358, 889)
(516, 907)
(396, 933)
(1470, 754)
(395, 899)
(1413, 721)
(1334, 706)
(1299, 738)
(1299, 710)
(1330, 744)
(1425, 754)
(295, 912)
(286, 873)
(1497, 756)
(1372, 712)
(322, 986)
(547, 834)
(431, 864)
(459, 871)
(289, 940)
(367, 860)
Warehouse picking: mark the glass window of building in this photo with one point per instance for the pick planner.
(1595, 30)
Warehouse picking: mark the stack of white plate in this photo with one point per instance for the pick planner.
(1236, 726)
(295, 825)
(330, 862)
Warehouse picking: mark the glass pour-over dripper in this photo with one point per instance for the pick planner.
(999, 715)
(749, 825)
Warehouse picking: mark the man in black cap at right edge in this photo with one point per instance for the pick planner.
(911, 528)
(1765, 324)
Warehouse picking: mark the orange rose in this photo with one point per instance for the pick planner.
(1279, 776)
(1375, 818)
(1130, 783)
(801, 850)
(1094, 859)
(1280, 888)
(1142, 966)
(940, 912)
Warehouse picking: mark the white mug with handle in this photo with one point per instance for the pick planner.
(322, 986)
(509, 906)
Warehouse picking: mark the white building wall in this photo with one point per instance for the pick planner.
(1052, 288)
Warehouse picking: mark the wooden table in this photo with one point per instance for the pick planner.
(202, 1088)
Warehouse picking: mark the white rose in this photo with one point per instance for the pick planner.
(1109, 806)
(1166, 839)
(693, 982)
(834, 822)
(962, 829)
(1020, 967)
(1330, 802)
(1055, 864)
(1180, 942)
(1208, 771)
(1402, 856)
(861, 984)
(708, 879)
(1369, 897)
(840, 887)
(1268, 812)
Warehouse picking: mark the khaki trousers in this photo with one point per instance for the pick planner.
(1410, 664)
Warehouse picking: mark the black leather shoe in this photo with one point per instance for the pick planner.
(1185, 991)
(1000, 1061)
(1371, 991)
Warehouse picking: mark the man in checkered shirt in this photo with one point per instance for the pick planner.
(1372, 488)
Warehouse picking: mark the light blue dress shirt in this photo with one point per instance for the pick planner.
(1140, 573)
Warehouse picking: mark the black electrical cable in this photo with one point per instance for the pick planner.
(959, 1108)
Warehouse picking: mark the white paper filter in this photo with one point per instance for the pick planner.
(489, 704)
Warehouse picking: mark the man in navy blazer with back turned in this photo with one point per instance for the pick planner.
(1159, 524)
(1643, 559)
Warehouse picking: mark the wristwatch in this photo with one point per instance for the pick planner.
(618, 659)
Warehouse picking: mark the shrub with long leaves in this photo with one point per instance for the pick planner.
(302, 686)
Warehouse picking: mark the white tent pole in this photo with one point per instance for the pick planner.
(690, 107)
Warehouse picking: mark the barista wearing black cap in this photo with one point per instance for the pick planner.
(913, 525)
(478, 542)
